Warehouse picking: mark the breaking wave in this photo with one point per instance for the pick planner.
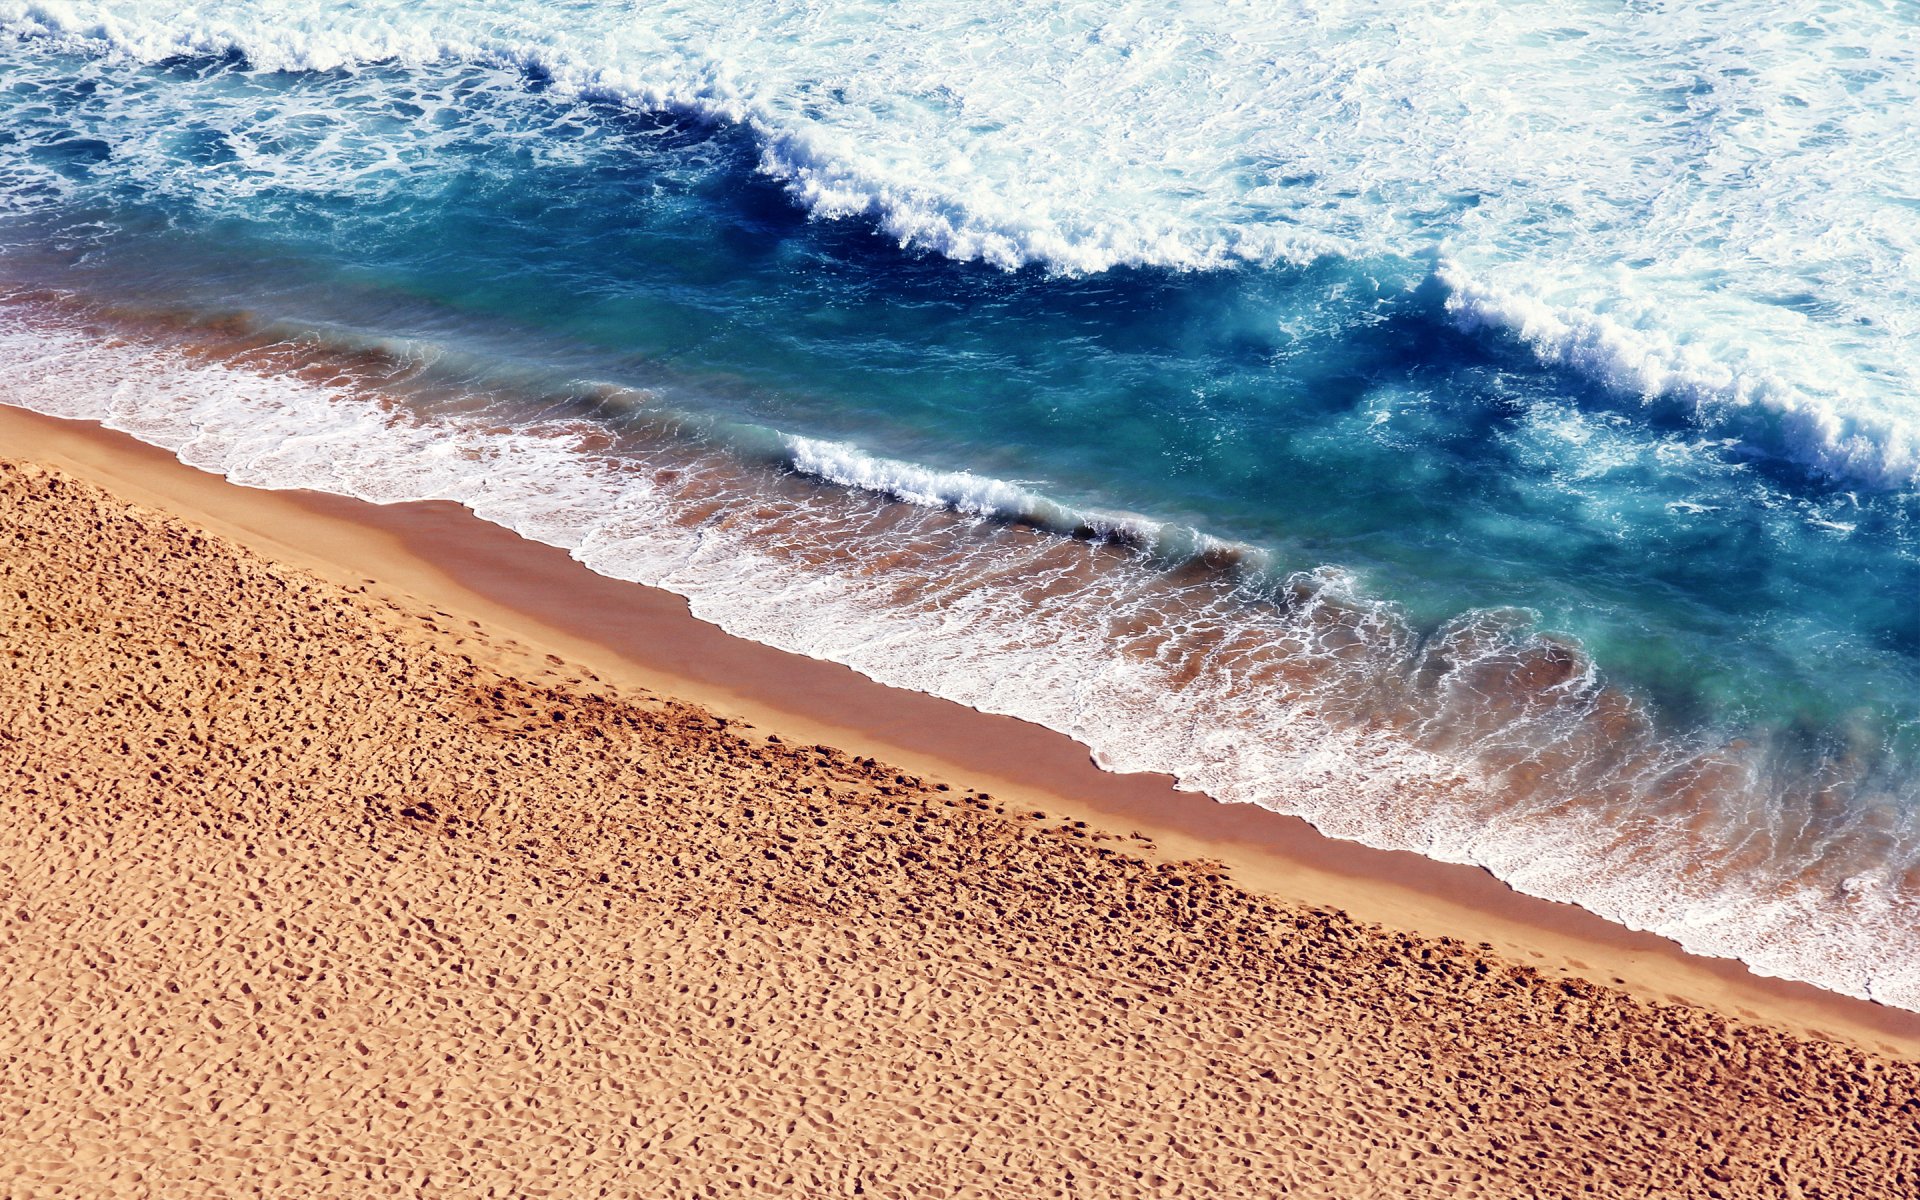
(1689, 206)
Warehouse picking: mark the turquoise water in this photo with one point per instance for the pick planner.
(1521, 484)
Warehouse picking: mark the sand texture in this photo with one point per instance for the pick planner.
(304, 892)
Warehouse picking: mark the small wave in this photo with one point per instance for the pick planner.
(961, 491)
(964, 492)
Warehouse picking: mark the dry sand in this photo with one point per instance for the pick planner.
(310, 886)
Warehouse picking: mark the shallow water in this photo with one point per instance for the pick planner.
(1491, 436)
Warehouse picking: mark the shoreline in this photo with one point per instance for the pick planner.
(639, 638)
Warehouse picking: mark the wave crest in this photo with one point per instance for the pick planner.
(1739, 248)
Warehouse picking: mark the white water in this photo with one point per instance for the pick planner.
(982, 496)
(1712, 206)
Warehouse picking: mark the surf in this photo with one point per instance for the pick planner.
(1718, 232)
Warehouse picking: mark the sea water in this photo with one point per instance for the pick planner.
(1490, 429)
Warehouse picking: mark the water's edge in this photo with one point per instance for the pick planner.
(263, 431)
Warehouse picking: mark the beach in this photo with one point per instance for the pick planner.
(343, 857)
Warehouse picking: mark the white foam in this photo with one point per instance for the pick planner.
(1702, 203)
(1801, 410)
(962, 491)
(1175, 690)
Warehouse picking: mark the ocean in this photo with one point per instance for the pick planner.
(1486, 428)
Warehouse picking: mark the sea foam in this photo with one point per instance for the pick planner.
(995, 499)
(1689, 205)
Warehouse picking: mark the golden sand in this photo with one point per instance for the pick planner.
(308, 889)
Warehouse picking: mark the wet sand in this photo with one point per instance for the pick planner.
(466, 868)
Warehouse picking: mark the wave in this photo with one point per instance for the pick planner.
(1483, 742)
(962, 491)
(1736, 245)
(849, 466)
(1848, 437)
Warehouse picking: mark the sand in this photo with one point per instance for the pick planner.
(312, 885)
